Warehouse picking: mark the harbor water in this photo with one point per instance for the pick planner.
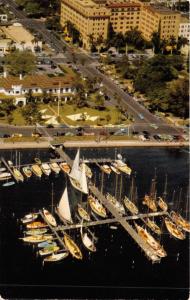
(119, 269)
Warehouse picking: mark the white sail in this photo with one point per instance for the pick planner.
(78, 176)
(64, 207)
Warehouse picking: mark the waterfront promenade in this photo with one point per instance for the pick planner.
(91, 144)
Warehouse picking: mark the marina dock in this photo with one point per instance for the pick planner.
(9, 169)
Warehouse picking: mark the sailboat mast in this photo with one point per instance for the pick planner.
(52, 197)
(165, 187)
(116, 185)
(121, 186)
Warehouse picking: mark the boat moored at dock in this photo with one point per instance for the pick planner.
(56, 257)
(55, 167)
(27, 171)
(29, 218)
(180, 221)
(36, 170)
(83, 213)
(49, 217)
(97, 207)
(46, 169)
(174, 230)
(130, 206)
(18, 175)
(72, 247)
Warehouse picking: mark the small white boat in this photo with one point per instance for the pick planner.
(56, 257)
(123, 167)
(48, 250)
(55, 167)
(29, 218)
(18, 175)
(5, 175)
(87, 242)
(46, 244)
(9, 183)
(45, 169)
(39, 231)
(2, 169)
(51, 220)
(36, 224)
(27, 171)
(37, 238)
(10, 163)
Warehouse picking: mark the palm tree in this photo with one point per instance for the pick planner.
(163, 44)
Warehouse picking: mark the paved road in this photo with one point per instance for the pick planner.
(90, 70)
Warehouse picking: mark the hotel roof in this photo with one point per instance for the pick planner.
(37, 81)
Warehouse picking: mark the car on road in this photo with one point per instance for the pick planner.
(154, 126)
(141, 116)
(156, 137)
(17, 135)
(36, 134)
(6, 135)
(145, 132)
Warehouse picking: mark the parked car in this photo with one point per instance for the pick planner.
(17, 135)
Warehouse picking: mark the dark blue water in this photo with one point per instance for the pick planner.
(118, 268)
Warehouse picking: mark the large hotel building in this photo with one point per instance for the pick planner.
(91, 17)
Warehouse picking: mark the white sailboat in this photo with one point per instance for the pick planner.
(78, 176)
(63, 208)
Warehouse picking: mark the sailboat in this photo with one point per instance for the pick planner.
(149, 200)
(118, 206)
(148, 238)
(115, 170)
(63, 208)
(162, 200)
(18, 175)
(87, 242)
(105, 168)
(37, 238)
(129, 204)
(55, 167)
(78, 177)
(29, 218)
(83, 213)
(97, 207)
(51, 220)
(180, 221)
(72, 247)
(174, 230)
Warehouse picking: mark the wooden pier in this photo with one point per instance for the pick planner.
(150, 253)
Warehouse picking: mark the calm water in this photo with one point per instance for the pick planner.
(118, 268)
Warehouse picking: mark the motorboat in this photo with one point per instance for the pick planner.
(27, 171)
(77, 176)
(173, 229)
(83, 213)
(50, 219)
(5, 176)
(105, 168)
(149, 201)
(56, 257)
(55, 167)
(2, 170)
(48, 250)
(65, 167)
(150, 240)
(10, 163)
(37, 238)
(130, 206)
(162, 204)
(180, 221)
(72, 247)
(46, 169)
(39, 231)
(36, 170)
(17, 174)
(121, 166)
(36, 224)
(97, 207)
(153, 226)
(29, 218)
(118, 206)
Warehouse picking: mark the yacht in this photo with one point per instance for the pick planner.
(97, 207)
(173, 229)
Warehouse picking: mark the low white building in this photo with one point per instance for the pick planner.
(22, 39)
(37, 85)
(5, 45)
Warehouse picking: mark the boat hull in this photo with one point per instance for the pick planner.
(72, 247)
